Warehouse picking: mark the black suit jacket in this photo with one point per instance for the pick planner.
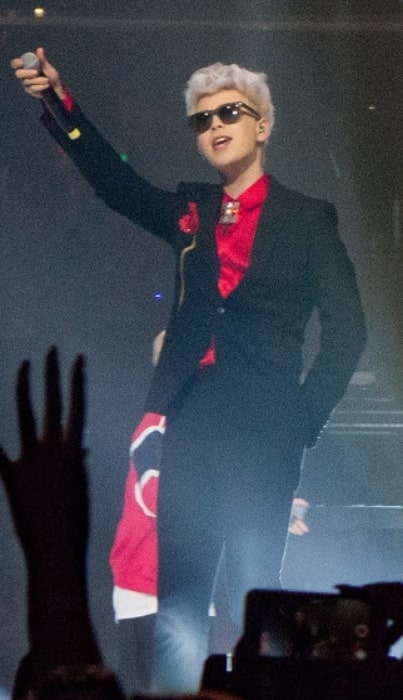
(298, 263)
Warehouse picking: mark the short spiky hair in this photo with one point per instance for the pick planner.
(230, 76)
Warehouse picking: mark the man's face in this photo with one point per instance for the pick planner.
(229, 147)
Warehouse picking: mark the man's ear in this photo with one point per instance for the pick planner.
(263, 130)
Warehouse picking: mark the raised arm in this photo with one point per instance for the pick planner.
(114, 181)
(47, 494)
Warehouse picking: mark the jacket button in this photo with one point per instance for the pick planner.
(221, 310)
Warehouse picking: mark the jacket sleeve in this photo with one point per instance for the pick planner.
(114, 181)
(342, 323)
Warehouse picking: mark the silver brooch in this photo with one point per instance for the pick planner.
(229, 213)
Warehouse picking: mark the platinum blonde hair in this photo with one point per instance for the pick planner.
(230, 76)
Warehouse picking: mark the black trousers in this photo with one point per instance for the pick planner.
(135, 637)
(228, 473)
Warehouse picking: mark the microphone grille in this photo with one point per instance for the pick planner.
(30, 60)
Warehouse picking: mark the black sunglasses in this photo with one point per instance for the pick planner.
(229, 113)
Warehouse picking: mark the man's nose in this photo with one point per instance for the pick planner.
(216, 122)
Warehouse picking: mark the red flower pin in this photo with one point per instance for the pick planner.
(189, 223)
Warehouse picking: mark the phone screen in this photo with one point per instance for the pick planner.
(309, 626)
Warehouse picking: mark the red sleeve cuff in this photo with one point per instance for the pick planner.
(68, 104)
(68, 100)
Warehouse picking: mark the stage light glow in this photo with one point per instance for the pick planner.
(39, 12)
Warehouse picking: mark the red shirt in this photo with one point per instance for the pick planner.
(235, 241)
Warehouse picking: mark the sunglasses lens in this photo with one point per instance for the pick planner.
(204, 120)
(229, 114)
(201, 121)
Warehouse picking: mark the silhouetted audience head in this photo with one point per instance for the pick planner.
(93, 682)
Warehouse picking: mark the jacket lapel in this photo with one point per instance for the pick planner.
(275, 212)
(202, 263)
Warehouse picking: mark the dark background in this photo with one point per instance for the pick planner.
(74, 274)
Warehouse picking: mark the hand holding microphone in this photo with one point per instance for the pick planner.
(41, 79)
(37, 74)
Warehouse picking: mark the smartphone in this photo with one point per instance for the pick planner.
(300, 625)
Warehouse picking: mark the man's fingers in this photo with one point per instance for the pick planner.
(40, 52)
(44, 63)
(26, 418)
(40, 82)
(53, 403)
(298, 527)
(16, 63)
(76, 418)
(35, 86)
(48, 69)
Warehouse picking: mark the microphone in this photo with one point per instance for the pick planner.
(53, 103)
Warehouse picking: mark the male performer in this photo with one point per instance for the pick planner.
(253, 259)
